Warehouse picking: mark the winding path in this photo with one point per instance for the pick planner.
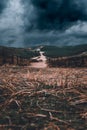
(41, 61)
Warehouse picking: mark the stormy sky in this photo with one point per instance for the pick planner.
(24, 23)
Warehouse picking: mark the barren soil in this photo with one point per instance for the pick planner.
(41, 61)
(43, 99)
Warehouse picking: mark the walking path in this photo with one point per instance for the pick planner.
(41, 61)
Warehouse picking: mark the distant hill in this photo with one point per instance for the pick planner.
(65, 56)
(19, 56)
(65, 51)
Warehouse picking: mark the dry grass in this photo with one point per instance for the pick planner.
(43, 99)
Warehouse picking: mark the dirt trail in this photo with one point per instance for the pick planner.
(41, 61)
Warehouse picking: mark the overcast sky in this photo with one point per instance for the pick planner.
(24, 23)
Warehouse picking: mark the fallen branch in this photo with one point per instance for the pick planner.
(79, 102)
(56, 119)
(36, 115)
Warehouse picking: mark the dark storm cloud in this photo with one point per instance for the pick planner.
(2, 5)
(55, 14)
(37, 22)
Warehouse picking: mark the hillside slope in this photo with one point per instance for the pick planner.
(19, 56)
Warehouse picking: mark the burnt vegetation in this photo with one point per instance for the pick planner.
(16, 56)
(42, 99)
(74, 61)
(68, 56)
(49, 99)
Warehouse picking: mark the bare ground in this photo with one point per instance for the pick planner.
(41, 61)
(43, 99)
